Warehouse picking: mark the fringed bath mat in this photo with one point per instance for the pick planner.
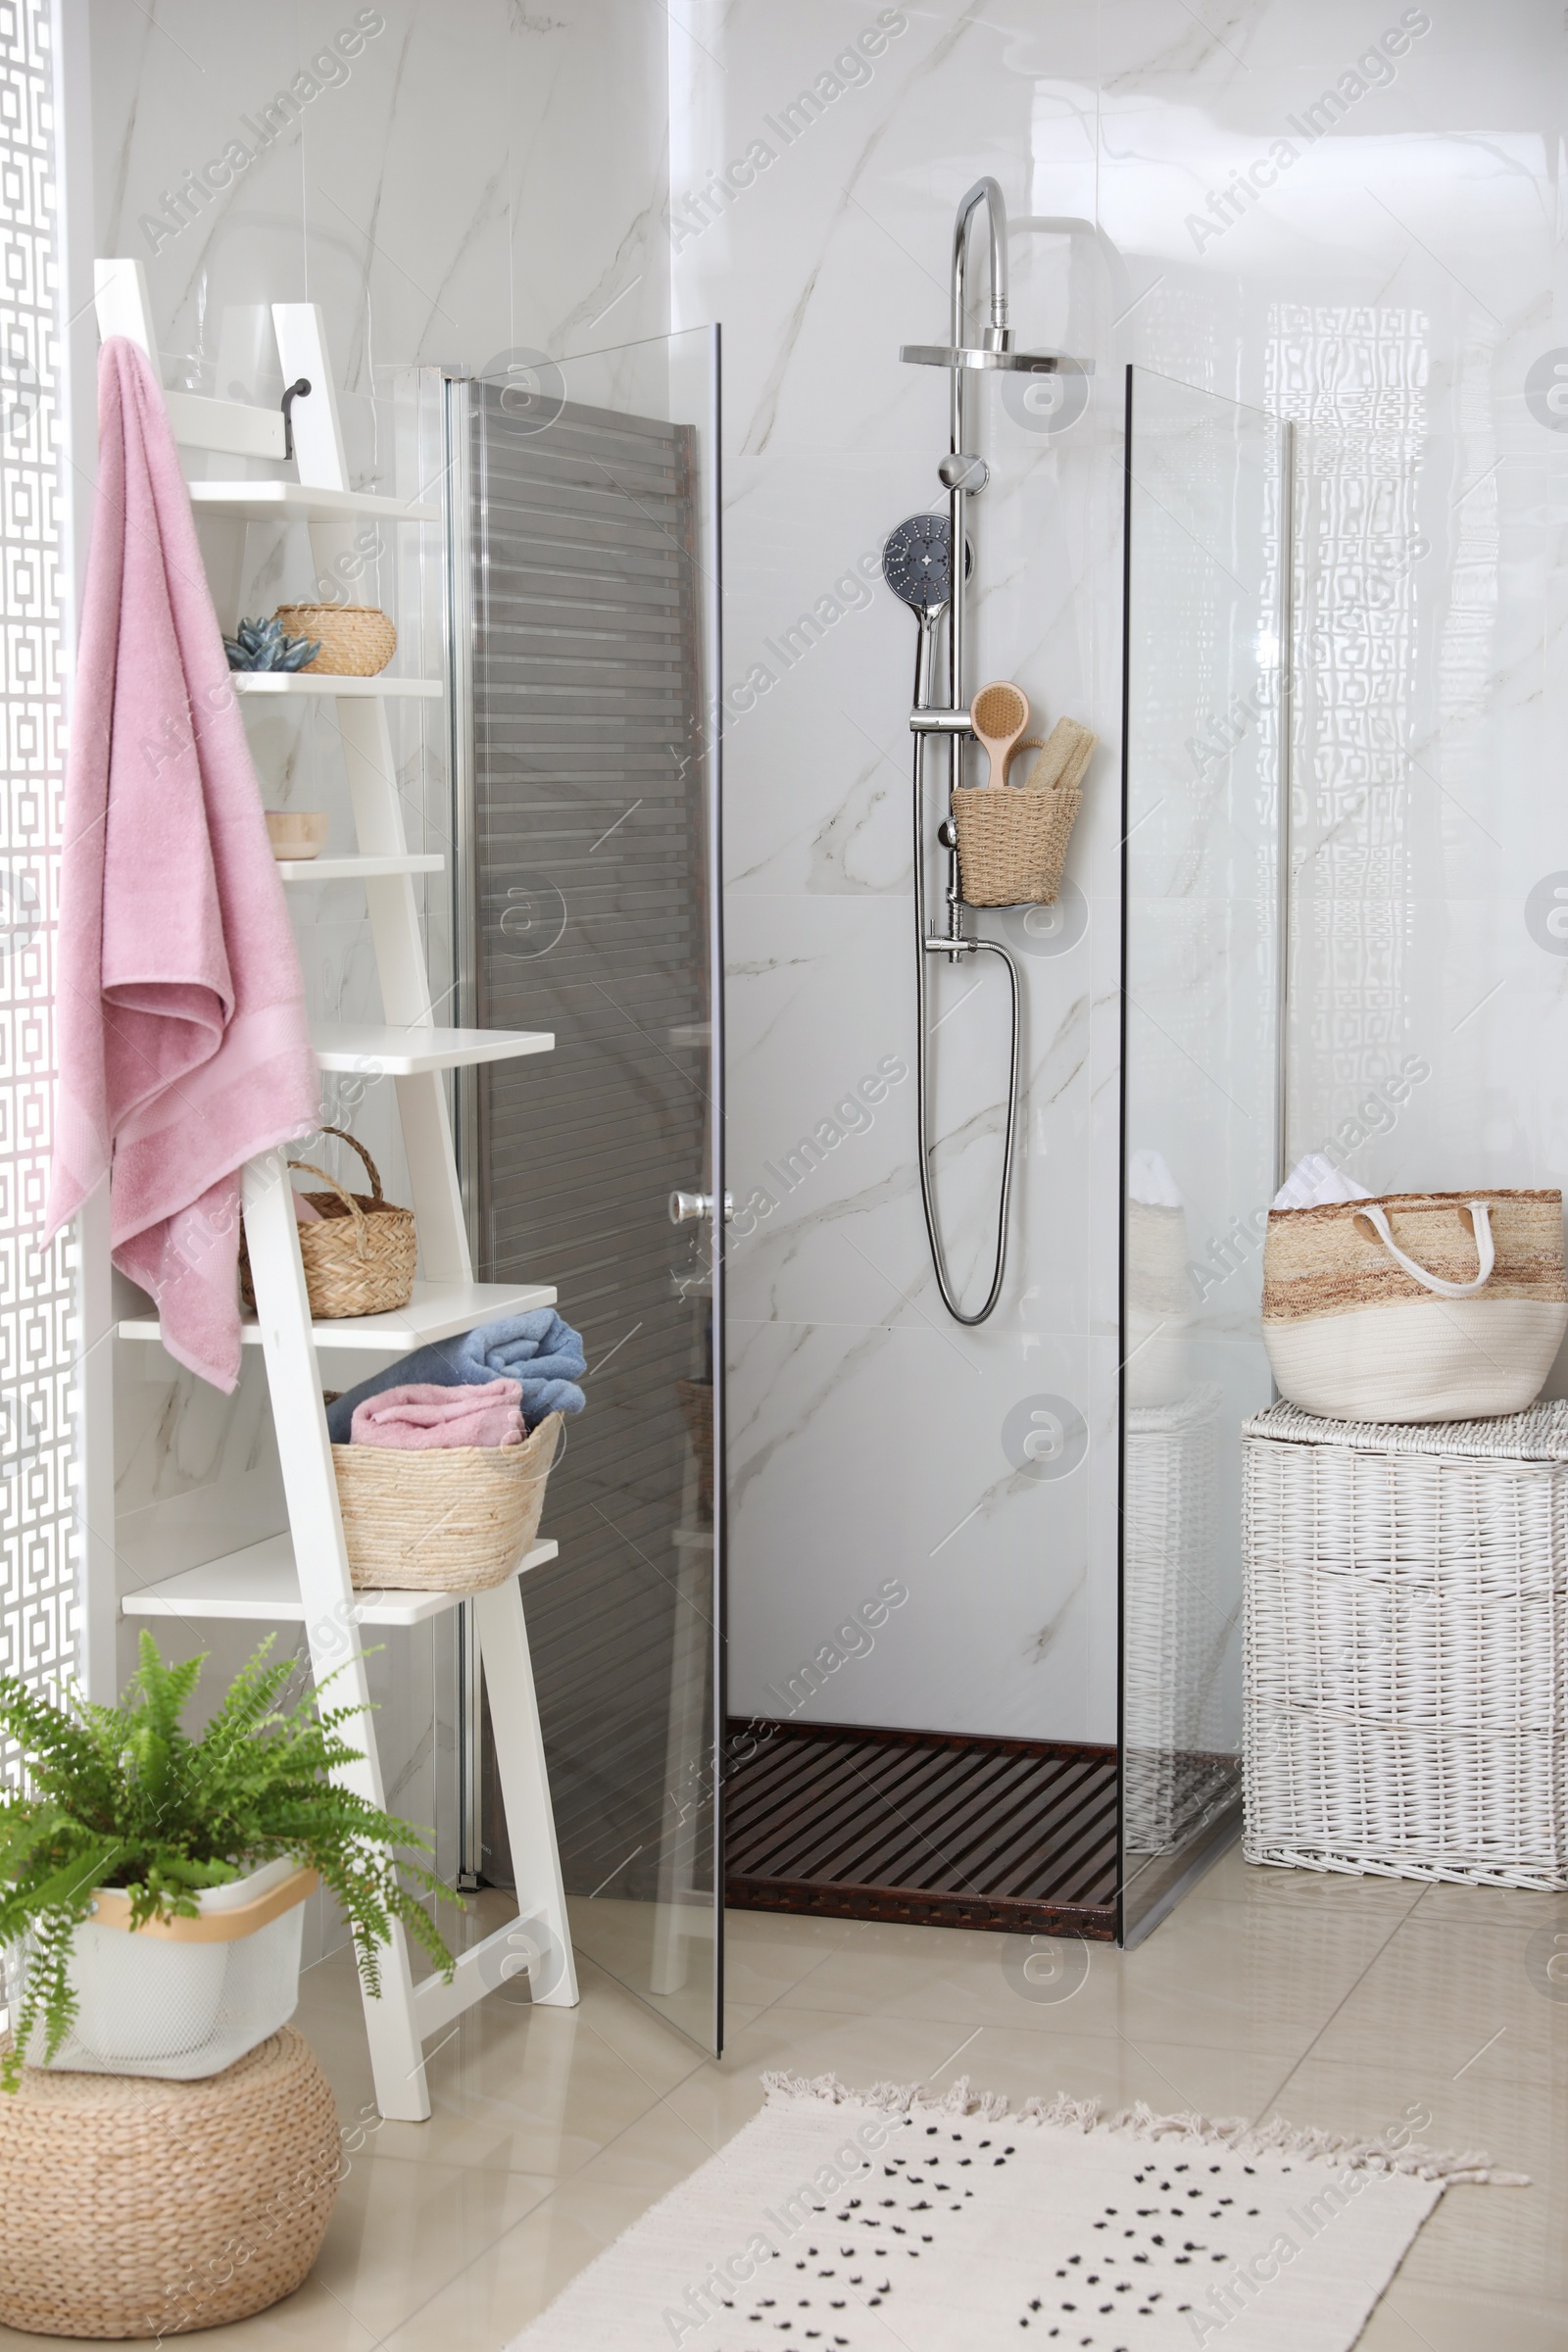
(882, 2222)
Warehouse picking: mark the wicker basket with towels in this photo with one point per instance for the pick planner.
(456, 1519)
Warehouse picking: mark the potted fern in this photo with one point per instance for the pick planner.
(151, 1883)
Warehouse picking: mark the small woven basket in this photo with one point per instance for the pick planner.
(450, 1519)
(356, 639)
(360, 1259)
(1013, 842)
(137, 2208)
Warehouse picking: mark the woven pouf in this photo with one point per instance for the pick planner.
(135, 2207)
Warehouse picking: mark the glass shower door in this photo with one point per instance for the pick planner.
(1207, 556)
(585, 586)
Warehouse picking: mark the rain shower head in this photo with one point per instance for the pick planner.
(918, 562)
(981, 354)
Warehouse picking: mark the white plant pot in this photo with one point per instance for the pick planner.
(139, 1999)
(148, 2003)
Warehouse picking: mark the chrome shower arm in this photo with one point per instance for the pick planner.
(993, 337)
(987, 192)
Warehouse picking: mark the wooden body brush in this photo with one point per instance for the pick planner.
(999, 716)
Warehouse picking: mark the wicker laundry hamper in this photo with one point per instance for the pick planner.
(447, 1519)
(143, 2208)
(356, 639)
(1405, 1662)
(360, 1258)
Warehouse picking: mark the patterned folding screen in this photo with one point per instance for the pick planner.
(37, 1572)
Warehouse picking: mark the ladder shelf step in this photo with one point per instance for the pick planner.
(358, 869)
(437, 1310)
(262, 1583)
(500, 1955)
(298, 502)
(326, 683)
(381, 1052)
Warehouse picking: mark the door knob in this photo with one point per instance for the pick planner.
(685, 1208)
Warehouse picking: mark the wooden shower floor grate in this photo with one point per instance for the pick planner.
(1017, 1836)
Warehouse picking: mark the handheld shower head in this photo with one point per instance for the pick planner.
(918, 563)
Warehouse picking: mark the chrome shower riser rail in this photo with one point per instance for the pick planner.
(906, 561)
(957, 945)
(988, 193)
(977, 947)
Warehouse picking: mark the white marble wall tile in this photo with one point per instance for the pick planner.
(420, 198)
(832, 442)
(880, 1453)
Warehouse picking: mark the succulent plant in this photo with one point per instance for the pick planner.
(263, 645)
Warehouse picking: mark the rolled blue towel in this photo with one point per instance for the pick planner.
(539, 1349)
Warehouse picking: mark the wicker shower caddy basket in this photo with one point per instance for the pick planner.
(448, 1519)
(360, 1259)
(1012, 839)
(357, 641)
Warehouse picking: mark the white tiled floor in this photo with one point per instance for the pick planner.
(1331, 2001)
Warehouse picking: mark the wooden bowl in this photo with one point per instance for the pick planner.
(297, 832)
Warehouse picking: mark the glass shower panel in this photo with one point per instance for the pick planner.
(586, 588)
(1207, 734)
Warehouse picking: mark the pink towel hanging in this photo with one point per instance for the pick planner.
(180, 1003)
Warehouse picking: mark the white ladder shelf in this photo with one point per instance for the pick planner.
(304, 1576)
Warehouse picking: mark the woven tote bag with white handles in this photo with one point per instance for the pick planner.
(1416, 1306)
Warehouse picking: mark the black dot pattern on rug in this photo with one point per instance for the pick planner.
(1159, 2253)
(882, 2228)
(1103, 2300)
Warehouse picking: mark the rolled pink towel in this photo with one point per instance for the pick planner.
(423, 1415)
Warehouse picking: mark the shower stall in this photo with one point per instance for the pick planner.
(1089, 1836)
(582, 599)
